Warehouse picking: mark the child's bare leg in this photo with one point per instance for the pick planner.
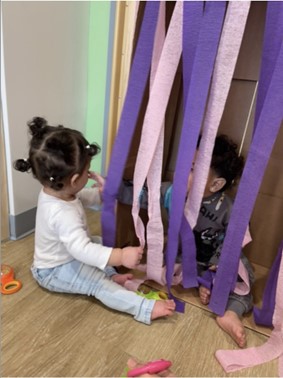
(204, 295)
(122, 278)
(232, 324)
(163, 308)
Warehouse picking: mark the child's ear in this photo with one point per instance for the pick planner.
(217, 184)
(74, 179)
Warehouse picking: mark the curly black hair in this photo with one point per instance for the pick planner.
(55, 153)
(226, 161)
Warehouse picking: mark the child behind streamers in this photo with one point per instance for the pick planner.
(210, 230)
(66, 258)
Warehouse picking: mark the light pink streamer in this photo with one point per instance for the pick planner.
(152, 130)
(154, 171)
(233, 360)
(154, 228)
(243, 288)
(229, 46)
(153, 261)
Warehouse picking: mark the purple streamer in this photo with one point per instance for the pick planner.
(192, 16)
(273, 36)
(192, 21)
(136, 87)
(199, 85)
(265, 135)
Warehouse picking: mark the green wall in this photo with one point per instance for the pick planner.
(101, 30)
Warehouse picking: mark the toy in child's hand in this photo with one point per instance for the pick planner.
(152, 367)
(8, 284)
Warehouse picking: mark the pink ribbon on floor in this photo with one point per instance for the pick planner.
(233, 360)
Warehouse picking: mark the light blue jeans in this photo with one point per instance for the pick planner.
(78, 278)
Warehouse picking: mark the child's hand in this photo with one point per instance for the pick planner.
(100, 181)
(131, 256)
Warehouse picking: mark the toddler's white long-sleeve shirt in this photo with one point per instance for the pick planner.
(61, 232)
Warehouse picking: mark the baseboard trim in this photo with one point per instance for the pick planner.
(22, 224)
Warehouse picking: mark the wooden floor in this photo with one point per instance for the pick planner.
(58, 335)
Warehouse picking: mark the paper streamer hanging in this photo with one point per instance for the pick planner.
(192, 23)
(267, 129)
(233, 360)
(153, 125)
(136, 87)
(192, 17)
(155, 233)
(154, 227)
(273, 36)
(228, 51)
(194, 110)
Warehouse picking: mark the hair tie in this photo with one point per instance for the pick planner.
(51, 178)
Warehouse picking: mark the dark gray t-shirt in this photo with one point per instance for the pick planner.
(211, 225)
(211, 228)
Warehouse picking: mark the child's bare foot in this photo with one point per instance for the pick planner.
(122, 278)
(163, 308)
(204, 295)
(231, 323)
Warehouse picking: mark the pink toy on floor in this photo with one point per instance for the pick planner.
(152, 367)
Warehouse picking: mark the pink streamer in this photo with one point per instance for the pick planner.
(229, 46)
(149, 159)
(233, 360)
(243, 288)
(155, 232)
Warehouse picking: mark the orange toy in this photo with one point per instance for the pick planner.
(8, 284)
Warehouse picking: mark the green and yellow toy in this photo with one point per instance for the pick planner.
(148, 293)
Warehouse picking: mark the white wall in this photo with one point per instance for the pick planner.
(45, 47)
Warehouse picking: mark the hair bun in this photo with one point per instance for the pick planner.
(22, 165)
(92, 149)
(37, 126)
